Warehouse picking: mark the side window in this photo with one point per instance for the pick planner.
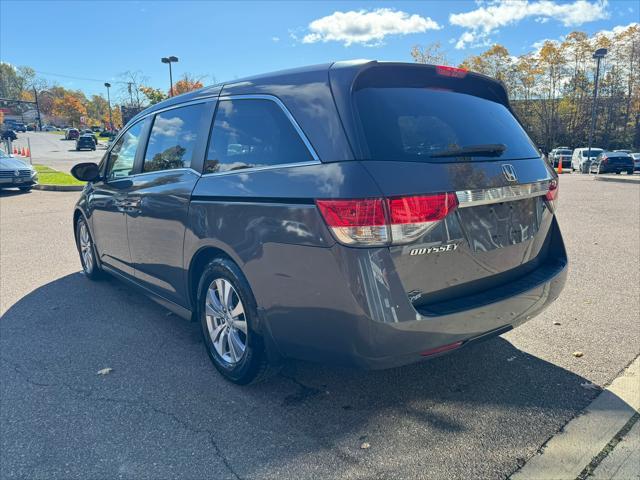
(252, 133)
(173, 138)
(123, 153)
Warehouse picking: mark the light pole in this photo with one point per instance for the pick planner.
(108, 85)
(170, 60)
(598, 55)
(35, 93)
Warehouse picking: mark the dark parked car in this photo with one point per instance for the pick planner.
(85, 141)
(90, 132)
(71, 134)
(608, 162)
(14, 173)
(20, 127)
(9, 135)
(361, 213)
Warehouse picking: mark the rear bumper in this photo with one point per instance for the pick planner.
(347, 306)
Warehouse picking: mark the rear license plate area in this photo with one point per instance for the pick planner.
(499, 225)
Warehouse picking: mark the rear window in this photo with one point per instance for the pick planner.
(594, 152)
(564, 152)
(411, 124)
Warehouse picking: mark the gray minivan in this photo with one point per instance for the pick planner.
(359, 213)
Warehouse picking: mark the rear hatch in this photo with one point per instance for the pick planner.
(425, 130)
(618, 160)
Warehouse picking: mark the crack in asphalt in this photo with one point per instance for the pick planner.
(88, 394)
(305, 392)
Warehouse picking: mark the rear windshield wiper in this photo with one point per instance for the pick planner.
(484, 150)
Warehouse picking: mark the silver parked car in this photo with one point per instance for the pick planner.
(14, 173)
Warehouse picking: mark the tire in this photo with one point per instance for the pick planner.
(25, 189)
(629, 172)
(88, 257)
(226, 334)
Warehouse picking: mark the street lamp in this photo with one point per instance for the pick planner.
(108, 85)
(598, 55)
(170, 60)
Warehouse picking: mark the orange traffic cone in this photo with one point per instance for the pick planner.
(559, 166)
(28, 153)
(23, 152)
(15, 151)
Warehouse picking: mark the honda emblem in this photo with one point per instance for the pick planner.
(509, 173)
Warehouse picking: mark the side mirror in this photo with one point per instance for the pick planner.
(86, 172)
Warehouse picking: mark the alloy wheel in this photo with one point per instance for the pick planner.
(85, 248)
(226, 321)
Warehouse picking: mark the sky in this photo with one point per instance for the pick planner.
(82, 44)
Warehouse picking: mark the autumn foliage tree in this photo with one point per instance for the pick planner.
(186, 84)
(70, 106)
(551, 89)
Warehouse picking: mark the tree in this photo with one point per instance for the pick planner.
(129, 92)
(187, 83)
(71, 107)
(154, 95)
(431, 53)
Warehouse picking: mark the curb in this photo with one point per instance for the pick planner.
(573, 450)
(633, 180)
(60, 188)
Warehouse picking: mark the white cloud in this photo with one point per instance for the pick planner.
(366, 27)
(487, 18)
(616, 30)
(275, 39)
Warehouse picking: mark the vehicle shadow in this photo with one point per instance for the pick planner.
(479, 410)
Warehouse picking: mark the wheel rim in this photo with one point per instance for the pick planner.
(85, 248)
(226, 321)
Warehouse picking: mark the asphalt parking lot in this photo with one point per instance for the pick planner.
(163, 411)
(52, 150)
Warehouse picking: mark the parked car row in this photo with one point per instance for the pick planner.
(594, 160)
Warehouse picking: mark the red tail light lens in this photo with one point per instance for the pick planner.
(354, 222)
(352, 213)
(424, 208)
(455, 72)
(552, 194)
(381, 221)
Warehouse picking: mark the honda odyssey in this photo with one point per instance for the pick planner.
(359, 213)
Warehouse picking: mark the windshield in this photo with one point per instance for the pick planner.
(418, 124)
(564, 152)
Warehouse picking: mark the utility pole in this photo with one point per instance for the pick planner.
(598, 55)
(130, 92)
(35, 93)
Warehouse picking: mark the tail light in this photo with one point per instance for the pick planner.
(455, 72)
(552, 193)
(385, 221)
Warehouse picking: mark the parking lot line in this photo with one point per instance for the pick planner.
(571, 450)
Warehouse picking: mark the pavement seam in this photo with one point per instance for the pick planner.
(88, 394)
(608, 448)
(607, 390)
